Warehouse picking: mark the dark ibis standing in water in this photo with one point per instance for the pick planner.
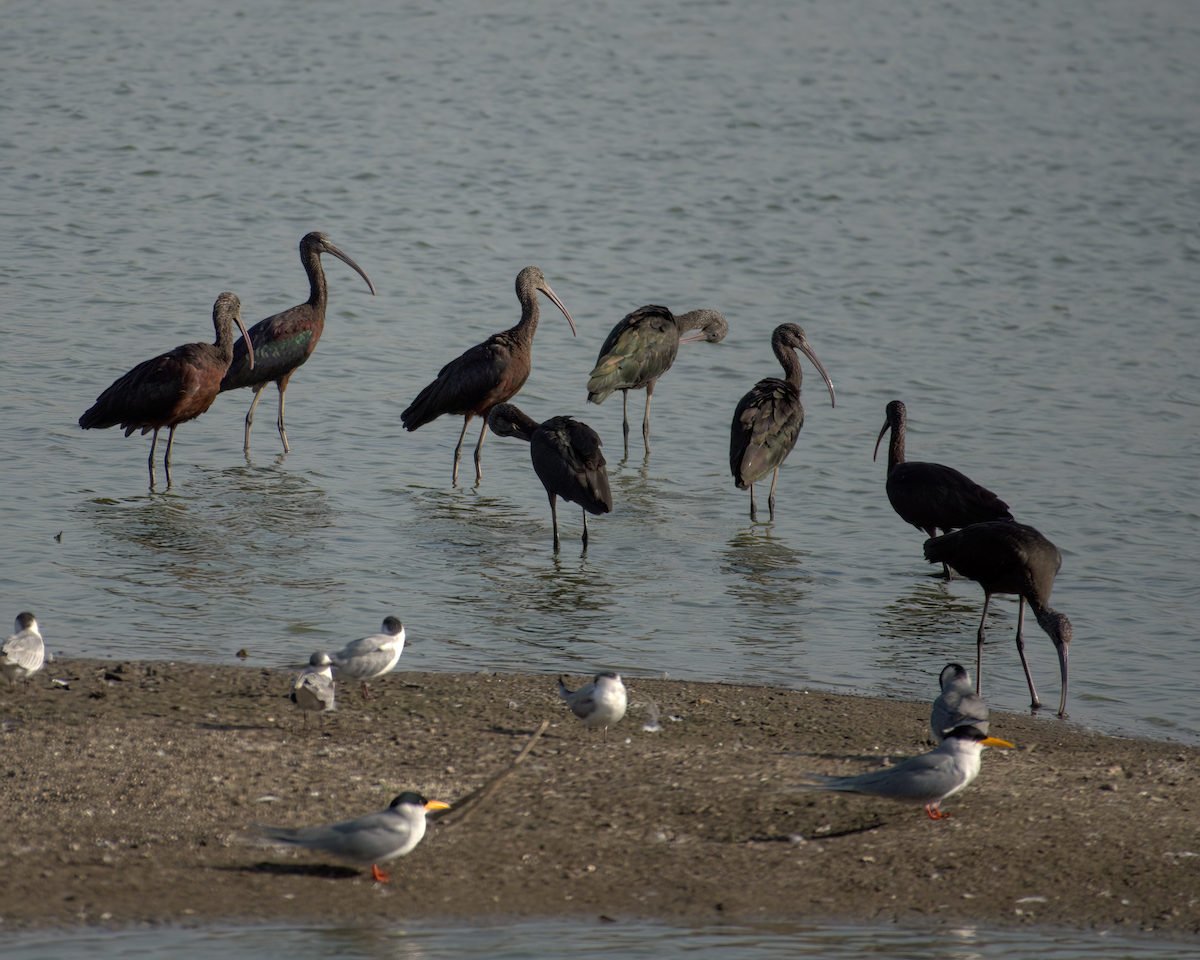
(1004, 556)
(566, 457)
(173, 388)
(487, 374)
(930, 495)
(285, 341)
(767, 421)
(641, 348)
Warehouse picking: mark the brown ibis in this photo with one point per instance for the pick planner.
(1004, 556)
(285, 341)
(930, 495)
(487, 374)
(566, 457)
(767, 421)
(172, 388)
(641, 348)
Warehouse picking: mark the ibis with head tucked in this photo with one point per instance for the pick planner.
(566, 457)
(487, 374)
(1008, 557)
(286, 340)
(641, 348)
(173, 388)
(932, 496)
(767, 421)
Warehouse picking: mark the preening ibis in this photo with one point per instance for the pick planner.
(930, 495)
(566, 457)
(487, 374)
(641, 348)
(285, 341)
(172, 388)
(767, 421)
(1008, 557)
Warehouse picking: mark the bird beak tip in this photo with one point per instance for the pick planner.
(437, 805)
(997, 742)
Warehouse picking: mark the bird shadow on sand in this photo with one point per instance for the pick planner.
(322, 870)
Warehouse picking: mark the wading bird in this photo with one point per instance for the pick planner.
(24, 652)
(364, 841)
(767, 421)
(1008, 557)
(487, 374)
(641, 348)
(932, 496)
(928, 778)
(600, 703)
(566, 457)
(371, 656)
(172, 388)
(286, 340)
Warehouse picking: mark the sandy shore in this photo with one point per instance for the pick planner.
(127, 794)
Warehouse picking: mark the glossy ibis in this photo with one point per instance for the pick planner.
(364, 841)
(371, 656)
(487, 374)
(641, 348)
(285, 341)
(928, 778)
(566, 457)
(1008, 557)
(958, 706)
(600, 703)
(313, 691)
(172, 388)
(767, 421)
(929, 495)
(24, 652)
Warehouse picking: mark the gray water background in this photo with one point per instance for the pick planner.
(989, 211)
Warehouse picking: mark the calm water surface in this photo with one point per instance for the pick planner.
(989, 211)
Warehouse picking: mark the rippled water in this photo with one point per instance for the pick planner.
(625, 941)
(986, 210)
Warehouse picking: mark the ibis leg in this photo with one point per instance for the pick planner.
(167, 458)
(279, 423)
(458, 449)
(250, 416)
(554, 520)
(987, 599)
(584, 530)
(771, 496)
(479, 453)
(1035, 704)
(646, 418)
(153, 444)
(753, 512)
(625, 418)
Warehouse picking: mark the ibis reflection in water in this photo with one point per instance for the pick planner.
(932, 496)
(767, 421)
(173, 388)
(641, 348)
(566, 457)
(1008, 557)
(488, 373)
(285, 341)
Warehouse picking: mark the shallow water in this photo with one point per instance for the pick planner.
(988, 211)
(616, 941)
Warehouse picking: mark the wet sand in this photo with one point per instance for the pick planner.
(129, 792)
